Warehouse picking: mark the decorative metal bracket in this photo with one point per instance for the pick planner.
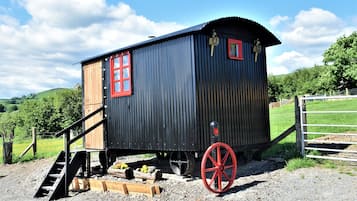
(213, 41)
(257, 49)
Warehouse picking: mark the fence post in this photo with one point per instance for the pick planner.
(303, 121)
(34, 141)
(298, 125)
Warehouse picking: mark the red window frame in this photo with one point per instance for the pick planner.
(238, 47)
(114, 81)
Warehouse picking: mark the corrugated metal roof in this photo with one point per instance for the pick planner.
(267, 39)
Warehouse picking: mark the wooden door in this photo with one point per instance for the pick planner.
(93, 99)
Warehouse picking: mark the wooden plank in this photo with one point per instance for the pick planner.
(95, 139)
(92, 78)
(97, 185)
(117, 187)
(93, 99)
(122, 187)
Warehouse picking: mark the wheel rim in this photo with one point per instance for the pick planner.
(181, 163)
(218, 173)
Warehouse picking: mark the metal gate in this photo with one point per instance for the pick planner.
(329, 126)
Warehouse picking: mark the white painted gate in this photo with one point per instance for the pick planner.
(334, 140)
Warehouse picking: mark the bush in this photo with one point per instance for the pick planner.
(2, 108)
(12, 108)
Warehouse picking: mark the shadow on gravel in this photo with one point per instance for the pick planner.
(236, 189)
(259, 167)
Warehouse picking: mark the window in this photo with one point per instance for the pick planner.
(120, 75)
(235, 49)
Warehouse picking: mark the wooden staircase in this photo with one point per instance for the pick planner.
(53, 186)
(56, 183)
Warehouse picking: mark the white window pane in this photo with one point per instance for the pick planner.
(116, 62)
(237, 50)
(125, 60)
(116, 74)
(126, 73)
(117, 86)
(234, 50)
(126, 85)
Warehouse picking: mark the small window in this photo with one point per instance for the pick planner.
(120, 75)
(235, 49)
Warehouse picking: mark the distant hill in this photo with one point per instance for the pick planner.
(16, 101)
(51, 93)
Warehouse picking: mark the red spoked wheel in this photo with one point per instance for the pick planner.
(217, 172)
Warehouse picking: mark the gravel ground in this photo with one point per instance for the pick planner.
(257, 180)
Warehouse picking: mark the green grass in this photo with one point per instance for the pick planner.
(297, 163)
(45, 148)
(283, 117)
(51, 93)
(336, 105)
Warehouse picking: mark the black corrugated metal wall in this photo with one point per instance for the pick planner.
(160, 115)
(232, 92)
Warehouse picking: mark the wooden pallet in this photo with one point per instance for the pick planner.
(125, 188)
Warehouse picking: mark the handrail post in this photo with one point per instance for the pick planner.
(67, 155)
(34, 141)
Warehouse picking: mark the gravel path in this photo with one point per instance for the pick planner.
(258, 180)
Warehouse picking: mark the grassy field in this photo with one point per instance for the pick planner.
(45, 148)
(283, 117)
(280, 119)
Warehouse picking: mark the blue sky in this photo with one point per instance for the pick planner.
(42, 39)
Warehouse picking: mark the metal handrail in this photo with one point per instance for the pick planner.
(68, 141)
(78, 122)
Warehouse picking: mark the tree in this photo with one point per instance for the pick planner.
(275, 88)
(2, 108)
(70, 106)
(41, 114)
(7, 126)
(342, 58)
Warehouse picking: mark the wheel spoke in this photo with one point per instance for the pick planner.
(225, 158)
(219, 154)
(225, 175)
(220, 181)
(213, 178)
(211, 169)
(212, 160)
(228, 166)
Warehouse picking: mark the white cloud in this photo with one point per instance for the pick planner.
(314, 27)
(39, 54)
(293, 60)
(306, 37)
(276, 20)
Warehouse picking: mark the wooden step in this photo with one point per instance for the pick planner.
(55, 175)
(48, 188)
(120, 187)
(61, 163)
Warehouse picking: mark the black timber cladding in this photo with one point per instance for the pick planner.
(160, 115)
(232, 92)
(178, 88)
